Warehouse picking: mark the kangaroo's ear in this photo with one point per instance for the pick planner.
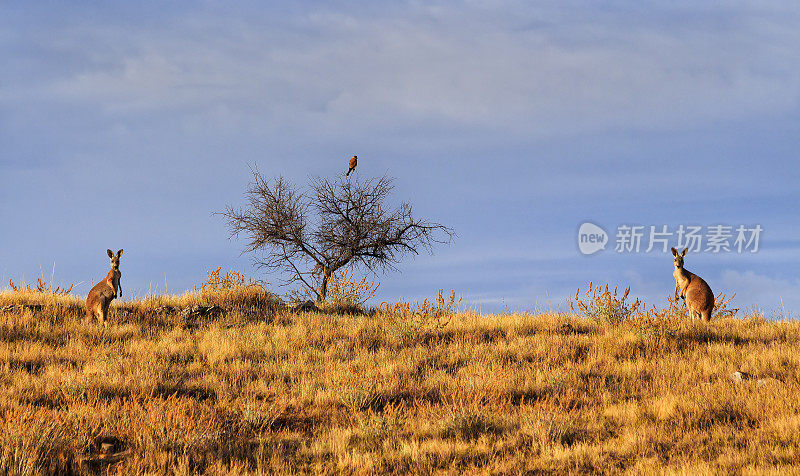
(674, 252)
(110, 253)
(683, 253)
(119, 253)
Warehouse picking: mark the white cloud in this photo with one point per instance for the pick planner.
(464, 66)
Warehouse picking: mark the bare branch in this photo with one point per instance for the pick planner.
(353, 227)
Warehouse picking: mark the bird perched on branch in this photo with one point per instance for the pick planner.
(353, 163)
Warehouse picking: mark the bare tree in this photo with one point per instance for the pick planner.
(335, 224)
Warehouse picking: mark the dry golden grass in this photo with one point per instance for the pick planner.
(258, 389)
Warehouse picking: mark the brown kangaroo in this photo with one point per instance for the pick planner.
(696, 292)
(105, 291)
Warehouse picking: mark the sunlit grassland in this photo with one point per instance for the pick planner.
(258, 388)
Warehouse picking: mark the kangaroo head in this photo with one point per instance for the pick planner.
(114, 258)
(679, 257)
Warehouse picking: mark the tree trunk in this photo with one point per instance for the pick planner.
(323, 288)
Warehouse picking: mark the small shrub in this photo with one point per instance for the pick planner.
(345, 295)
(233, 292)
(408, 323)
(601, 305)
(656, 332)
(655, 326)
(348, 296)
(721, 308)
(215, 283)
(41, 287)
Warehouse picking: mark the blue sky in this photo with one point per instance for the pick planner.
(128, 125)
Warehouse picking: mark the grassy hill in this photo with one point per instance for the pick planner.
(253, 387)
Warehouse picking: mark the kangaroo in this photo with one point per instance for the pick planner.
(105, 291)
(691, 287)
